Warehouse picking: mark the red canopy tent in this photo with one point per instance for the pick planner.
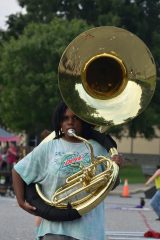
(7, 136)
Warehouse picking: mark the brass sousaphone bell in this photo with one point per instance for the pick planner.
(107, 77)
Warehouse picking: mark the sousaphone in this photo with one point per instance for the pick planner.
(107, 77)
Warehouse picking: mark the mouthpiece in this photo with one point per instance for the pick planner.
(71, 132)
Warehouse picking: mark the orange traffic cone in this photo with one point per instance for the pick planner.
(125, 192)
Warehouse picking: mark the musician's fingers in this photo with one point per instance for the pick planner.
(29, 208)
(118, 159)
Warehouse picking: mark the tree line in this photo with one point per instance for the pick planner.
(33, 43)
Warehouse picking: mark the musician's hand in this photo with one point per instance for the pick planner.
(119, 159)
(27, 207)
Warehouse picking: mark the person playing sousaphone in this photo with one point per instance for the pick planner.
(102, 81)
(49, 165)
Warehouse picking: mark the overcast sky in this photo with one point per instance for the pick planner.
(7, 7)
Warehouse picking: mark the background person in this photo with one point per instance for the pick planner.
(11, 154)
(11, 160)
(49, 165)
(155, 200)
(3, 159)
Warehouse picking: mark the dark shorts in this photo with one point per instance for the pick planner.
(56, 237)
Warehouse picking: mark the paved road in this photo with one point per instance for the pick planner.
(123, 219)
(15, 223)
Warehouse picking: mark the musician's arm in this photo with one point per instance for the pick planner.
(18, 185)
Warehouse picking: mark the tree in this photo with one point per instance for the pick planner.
(95, 12)
(138, 16)
(28, 74)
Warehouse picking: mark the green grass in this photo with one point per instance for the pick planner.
(133, 173)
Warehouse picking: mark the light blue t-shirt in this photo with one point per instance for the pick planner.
(50, 164)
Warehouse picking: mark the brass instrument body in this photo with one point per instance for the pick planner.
(95, 185)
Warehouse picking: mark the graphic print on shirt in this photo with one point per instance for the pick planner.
(72, 162)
